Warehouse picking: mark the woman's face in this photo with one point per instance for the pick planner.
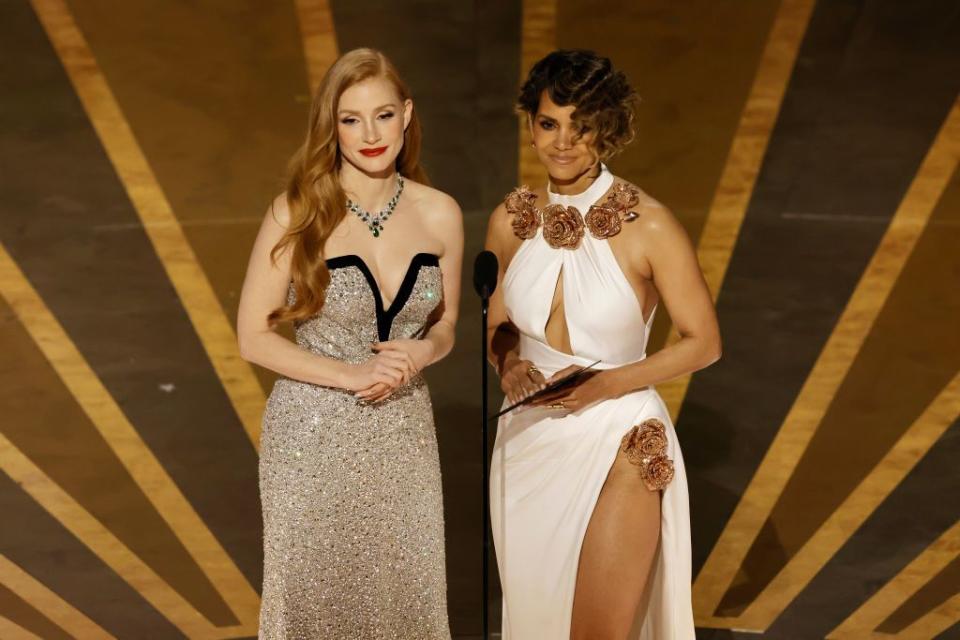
(566, 152)
(371, 119)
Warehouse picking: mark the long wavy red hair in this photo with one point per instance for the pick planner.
(314, 194)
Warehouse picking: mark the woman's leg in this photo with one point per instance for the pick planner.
(617, 553)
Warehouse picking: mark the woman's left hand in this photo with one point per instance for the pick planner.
(417, 354)
(592, 388)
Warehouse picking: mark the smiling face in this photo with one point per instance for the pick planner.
(371, 120)
(567, 152)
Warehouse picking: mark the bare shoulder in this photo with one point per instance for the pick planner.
(654, 219)
(499, 220)
(499, 223)
(437, 211)
(430, 201)
(279, 211)
(501, 235)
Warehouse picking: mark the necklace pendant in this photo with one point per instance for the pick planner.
(375, 222)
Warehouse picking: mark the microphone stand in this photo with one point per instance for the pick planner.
(485, 272)
(484, 308)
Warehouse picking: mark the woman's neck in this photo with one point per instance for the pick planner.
(370, 191)
(576, 185)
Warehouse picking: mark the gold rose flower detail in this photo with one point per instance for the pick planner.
(602, 222)
(659, 473)
(646, 446)
(623, 196)
(519, 198)
(562, 226)
(526, 216)
(526, 222)
(652, 437)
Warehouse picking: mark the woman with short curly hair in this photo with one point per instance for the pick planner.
(589, 498)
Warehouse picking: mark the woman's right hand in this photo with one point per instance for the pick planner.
(381, 368)
(519, 379)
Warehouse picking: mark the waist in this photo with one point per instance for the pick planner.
(310, 396)
(549, 360)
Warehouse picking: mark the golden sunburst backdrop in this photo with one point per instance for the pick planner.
(810, 149)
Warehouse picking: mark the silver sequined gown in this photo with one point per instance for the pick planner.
(352, 508)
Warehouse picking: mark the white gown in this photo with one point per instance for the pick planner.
(549, 466)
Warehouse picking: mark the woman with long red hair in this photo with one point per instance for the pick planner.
(364, 259)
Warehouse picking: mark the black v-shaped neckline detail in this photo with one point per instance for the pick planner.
(386, 316)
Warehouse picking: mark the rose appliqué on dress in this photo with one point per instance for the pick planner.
(603, 222)
(526, 216)
(623, 197)
(563, 227)
(646, 446)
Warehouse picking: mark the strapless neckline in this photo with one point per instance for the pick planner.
(386, 312)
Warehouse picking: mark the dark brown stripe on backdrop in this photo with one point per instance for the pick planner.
(908, 521)
(433, 46)
(897, 373)
(43, 548)
(873, 84)
(216, 94)
(944, 585)
(43, 420)
(19, 611)
(950, 634)
(67, 222)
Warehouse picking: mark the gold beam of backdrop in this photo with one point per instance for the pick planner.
(739, 177)
(102, 543)
(126, 443)
(538, 38)
(818, 392)
(10, 630)
(865, 620)
(849, 516)
(319, 38)
(48, 603)
(161, 225)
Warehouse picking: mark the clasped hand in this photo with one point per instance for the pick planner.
(394, 364)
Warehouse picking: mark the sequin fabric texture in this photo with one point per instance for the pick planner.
(352, 505)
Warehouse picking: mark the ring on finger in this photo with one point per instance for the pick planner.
(531, 370)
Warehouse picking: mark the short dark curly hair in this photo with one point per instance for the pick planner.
(603, 97)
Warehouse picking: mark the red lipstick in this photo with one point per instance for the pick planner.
(373, 152)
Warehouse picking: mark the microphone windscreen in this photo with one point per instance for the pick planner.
(485, 269)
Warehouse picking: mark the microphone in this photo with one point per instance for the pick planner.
(485, 271)
(485, 268)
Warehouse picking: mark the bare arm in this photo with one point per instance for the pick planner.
(264, 289)
(677, 277)
(449, 227)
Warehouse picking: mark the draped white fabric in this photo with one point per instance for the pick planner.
(549, 467)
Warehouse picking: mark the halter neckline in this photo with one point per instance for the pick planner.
(583, 200)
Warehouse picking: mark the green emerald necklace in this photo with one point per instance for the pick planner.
(375, 221)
